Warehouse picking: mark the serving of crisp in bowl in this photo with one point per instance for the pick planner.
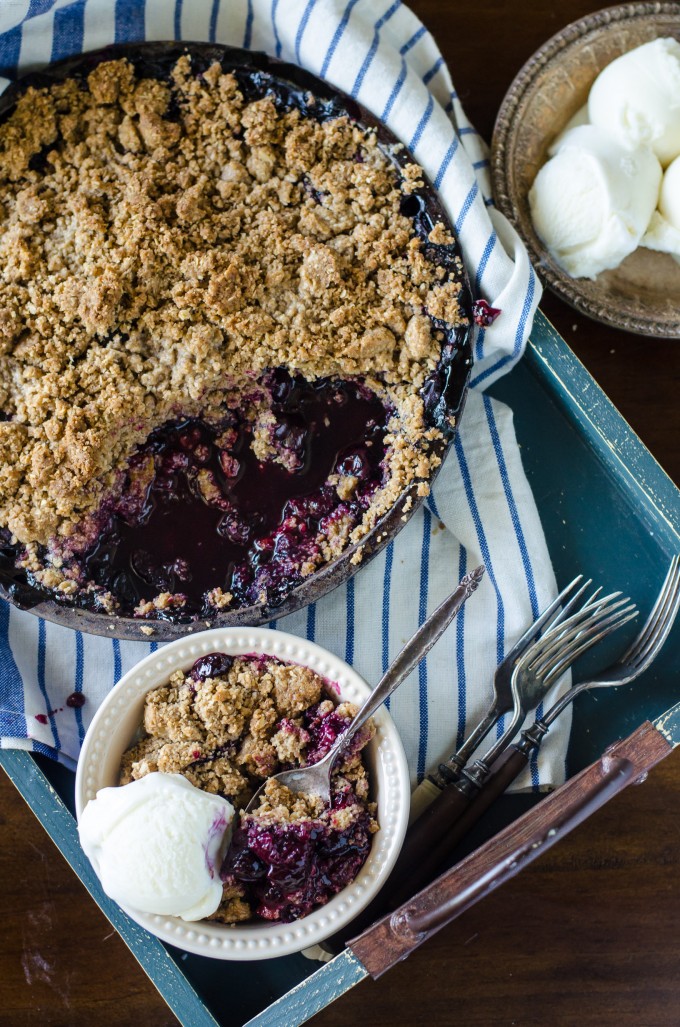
(235, 335)
(215, 715)
(642, 293)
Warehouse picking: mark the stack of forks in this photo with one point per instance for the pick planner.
(447, 804)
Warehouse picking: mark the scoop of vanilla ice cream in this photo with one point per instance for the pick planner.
(636, 98)
(578, 119)
(157, 845)
(592, 201)
(661, 236)
(669, 199)
(663, 232)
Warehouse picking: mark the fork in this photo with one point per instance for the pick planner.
(550, 658)
(503, 698)
(629, 666)
(534, 674)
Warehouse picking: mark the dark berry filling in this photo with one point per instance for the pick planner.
(291, 869)
(76, 700)
(199, 510)
(484, 314)
(212, 665)
(323, 731)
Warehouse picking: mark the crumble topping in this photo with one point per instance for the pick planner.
(227, 725)
(162, 244)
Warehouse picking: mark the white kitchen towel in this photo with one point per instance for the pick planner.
(481, 509)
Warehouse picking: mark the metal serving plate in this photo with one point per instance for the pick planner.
(642, 294)
(623, 537)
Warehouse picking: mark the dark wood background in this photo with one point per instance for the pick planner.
(589, 934)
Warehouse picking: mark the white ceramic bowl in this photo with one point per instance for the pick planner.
(119, 717)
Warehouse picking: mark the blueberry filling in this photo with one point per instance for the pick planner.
(484, 314)
(290, 869)
(212, 665)
(323, 731)
(199, 510)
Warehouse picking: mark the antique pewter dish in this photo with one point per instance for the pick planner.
(642, 295)
(257, 73)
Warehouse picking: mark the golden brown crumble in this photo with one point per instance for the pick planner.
(157, 262)
(233, 908)
(221, 731)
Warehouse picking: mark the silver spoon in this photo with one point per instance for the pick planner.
(316, 779)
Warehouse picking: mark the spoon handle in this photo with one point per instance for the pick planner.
(412, 653)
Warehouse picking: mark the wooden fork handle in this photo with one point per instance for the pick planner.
(504, 771)
(396, 935)
(434, 835)
(440, 835)
(428, 829)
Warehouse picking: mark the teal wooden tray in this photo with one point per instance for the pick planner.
(609, 511)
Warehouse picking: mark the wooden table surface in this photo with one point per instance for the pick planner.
(589, 934)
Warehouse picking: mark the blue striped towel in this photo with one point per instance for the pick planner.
(481, 508)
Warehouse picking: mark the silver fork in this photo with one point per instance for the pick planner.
(505, 695)
(548, 659)
(637, 657)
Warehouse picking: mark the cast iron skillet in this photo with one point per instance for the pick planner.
(446, 388)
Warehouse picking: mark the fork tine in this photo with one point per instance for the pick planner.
(590, 606)
(549, 617)
(561, 615)
(656, 611)
(591, 612)
(659, 622)
(564, 647)
(583, 643)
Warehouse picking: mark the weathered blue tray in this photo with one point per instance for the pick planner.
(608, 511)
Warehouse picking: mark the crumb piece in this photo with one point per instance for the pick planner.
(164, 601)
(218, 599)
(290, 741)
(233, 907)
(296, 688)
(278, 804)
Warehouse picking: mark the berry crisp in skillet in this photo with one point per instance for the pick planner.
(224, 328)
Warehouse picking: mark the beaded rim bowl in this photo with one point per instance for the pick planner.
(641, 295)
(118, 718)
